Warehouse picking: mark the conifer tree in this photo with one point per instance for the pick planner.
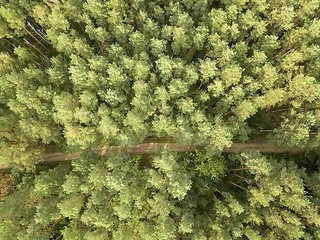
(81, 75)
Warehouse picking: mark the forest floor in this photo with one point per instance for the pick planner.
(5, 183)
(259, 144)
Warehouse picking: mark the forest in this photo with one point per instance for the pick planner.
(159, 119)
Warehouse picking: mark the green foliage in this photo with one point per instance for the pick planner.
(79, 75)
(208, 165)
(174, 197)
(155, 66)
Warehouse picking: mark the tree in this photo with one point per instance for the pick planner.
(147, 60)
(173, 196)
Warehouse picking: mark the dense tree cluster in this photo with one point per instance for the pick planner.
(119, 72)
(79, 75)
(117, 198)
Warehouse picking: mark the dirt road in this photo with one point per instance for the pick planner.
(260, 145)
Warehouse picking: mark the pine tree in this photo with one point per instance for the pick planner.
(81, 75)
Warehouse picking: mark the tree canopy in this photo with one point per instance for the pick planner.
(87, 74)
(189, 196)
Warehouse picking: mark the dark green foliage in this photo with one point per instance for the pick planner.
(207, 165)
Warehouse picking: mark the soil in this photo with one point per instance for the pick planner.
(259, 144)
(5, 183)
